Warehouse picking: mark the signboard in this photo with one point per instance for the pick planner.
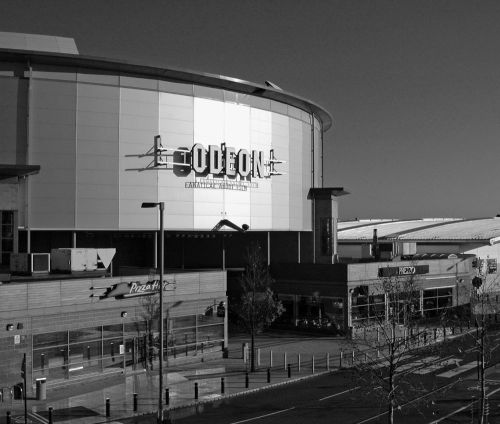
(393, 271)
(137, 288)
(233, 168)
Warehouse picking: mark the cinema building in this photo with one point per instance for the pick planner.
(84, 142)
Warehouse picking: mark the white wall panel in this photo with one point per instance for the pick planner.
(237, 135)
(176, 130)
(138, 126)
(295, 171)
(261, 198)
(52, 146)
(9, 121)
(209, 128)
(306, 175)
(280, 183)
(97, 200)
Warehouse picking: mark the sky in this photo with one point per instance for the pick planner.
(413, 86)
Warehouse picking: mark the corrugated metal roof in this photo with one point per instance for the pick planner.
(342, 225)
(485, 229)
(389, 229)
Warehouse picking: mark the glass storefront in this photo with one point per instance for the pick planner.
(319, 313)
(367, 307)
(66, 354)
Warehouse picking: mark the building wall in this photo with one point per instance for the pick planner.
(92, 135)
(51, 307)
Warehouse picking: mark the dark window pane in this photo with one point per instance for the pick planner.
(183, 322)
(110, 331)
(50, 339)
(430, 293)
(137, 328)
(204, 319)
(210, 332)
(445, 291)
(85, 334)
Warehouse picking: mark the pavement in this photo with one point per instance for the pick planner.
(189, 385)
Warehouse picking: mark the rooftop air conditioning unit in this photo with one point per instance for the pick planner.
(30, 263)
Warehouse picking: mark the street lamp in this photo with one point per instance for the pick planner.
(160, 323)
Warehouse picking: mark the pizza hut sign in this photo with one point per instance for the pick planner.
(137, 288)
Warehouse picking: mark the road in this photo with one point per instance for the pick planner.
(445, 381)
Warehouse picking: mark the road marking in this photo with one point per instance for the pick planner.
(459, 370)
(341, 393)
(418, 363)
(263, 416)
(437, 366)
(461, 409)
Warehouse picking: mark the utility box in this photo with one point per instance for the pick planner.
(73, 260)
(41, 389)
(30, 263)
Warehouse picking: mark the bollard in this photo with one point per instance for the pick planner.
(340, 358)
(298, 362)
(9, 420)
(108, 408)
(270, 359)
(269, 375)
(167, 397)
(312, 364)
(284, 360)
(135, 402)
(51, 421)
(258, 357)
(196, 391)
(327, 361)
(247, 382)
(289, 371)
(222, 388)
(353, 356)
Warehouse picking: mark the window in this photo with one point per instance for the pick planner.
(6, 236)
(436, 300)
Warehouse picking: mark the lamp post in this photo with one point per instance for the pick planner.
(161, 205)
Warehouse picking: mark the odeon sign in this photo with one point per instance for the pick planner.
(218, 160)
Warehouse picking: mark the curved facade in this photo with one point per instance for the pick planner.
(90, 125)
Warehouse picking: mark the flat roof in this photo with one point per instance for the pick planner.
(169, 74)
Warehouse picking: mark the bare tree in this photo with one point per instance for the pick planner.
(257, 306)
(484, 306)
(390, 330)
(150, 313)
